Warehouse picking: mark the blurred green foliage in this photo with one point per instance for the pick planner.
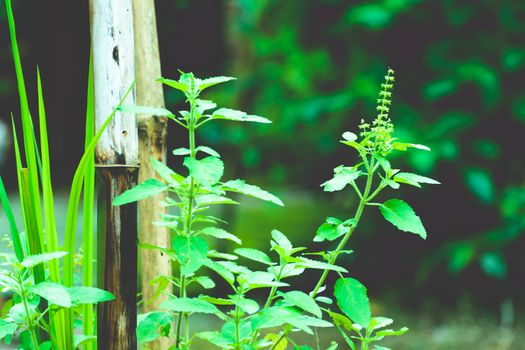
(313, 66)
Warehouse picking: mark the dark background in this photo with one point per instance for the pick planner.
(314, 68)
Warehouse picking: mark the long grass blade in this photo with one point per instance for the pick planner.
(27, 130)
(89, 208)
(72, 210)
(47, 188)
(15, 234)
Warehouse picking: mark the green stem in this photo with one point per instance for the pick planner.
(187, 224)
(179, 319)
(29, 324)
(359, 212)
(283, 335)
(269, 300)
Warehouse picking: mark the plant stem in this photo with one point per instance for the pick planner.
(362, 203)
(283, 335)
(188, 211)
(270, 298)
(30, 325)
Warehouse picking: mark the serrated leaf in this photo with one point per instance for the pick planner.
(206, 171)
(144, 190)
(208, 82)
(89, 295)
(232, 114)
(352, 299)
(391, 332)
(401, 215)
(254, 254)
(220, 233)
(7, 328)
(282, 241)
(156, 111)
(205, 282)
(150, 324)
(165, 172)
(414, 179)
(33, 260)
(191, 252)
(240, 186)
(320, 265)
(208, 150)
(189, 305)
(213, 199)
(247, 305)
(220, 270)
(342, 177)
(303, 301)
(174, 84)
(53, 292)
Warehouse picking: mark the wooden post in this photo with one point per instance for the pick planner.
(152, 143)
(116, 157)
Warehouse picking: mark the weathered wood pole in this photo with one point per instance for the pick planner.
(152, 143)
(116, 157)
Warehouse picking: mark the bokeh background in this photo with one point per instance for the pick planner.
(314, 68)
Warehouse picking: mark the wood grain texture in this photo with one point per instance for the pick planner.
(117, 260)
(116, 156)
(152, 143)
(112, 44)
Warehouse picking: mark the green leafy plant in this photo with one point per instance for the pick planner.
(245, 323)
(55, 326)
(25, 313)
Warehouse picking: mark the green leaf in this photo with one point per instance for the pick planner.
(220, 233)
(352, 299)
(282, 241)
(247, 305)
(342, 177)
(414, 179)
(494, 265)
(213, 199)
(191, 252)
(205, 282)
(33, 260)
(319, 265)
(206, 171)
(328, 230)
(7, 328)
(254, 254)
(303, 301)
(349, 136)
(165, 172)
(89, 295)
(189, 305)
(208, 82)
(144, 190)
(174, 84)
(231, 114)
(156, 111)
(401, 215)
(208, 150)
(152, 325)
(390, 332)
(481, 184)
(402, 146)
(220, 270)
(54, 293)
(240, 186)
(81, 339)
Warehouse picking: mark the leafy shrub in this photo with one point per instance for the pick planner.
(246, 324)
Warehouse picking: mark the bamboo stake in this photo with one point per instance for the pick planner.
(116, 157)
(152, 143)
